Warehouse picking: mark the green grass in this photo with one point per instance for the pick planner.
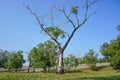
(106, 73)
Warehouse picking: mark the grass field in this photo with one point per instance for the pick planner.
(106, 73)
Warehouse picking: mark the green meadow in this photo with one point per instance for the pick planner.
(106, 73)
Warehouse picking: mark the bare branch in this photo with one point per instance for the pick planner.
(41, 25)
(86, 16)
(91, 15)
(58, 9)
(93, 2)
(78, 22)
(86, 10)
(68, 18)
(79, 25)
(51, 17)
(63, 23)
(70, 37)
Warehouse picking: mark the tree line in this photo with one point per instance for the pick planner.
(11, 60)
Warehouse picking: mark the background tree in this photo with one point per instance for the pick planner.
(66, 62)
(91, 59)
(15, 61)
(55, 31)
(31, 56)
(43, 56)
(115, 61)
(71, 61)
(118, 27)
(4, 56)
(113, 50)
(103, 50)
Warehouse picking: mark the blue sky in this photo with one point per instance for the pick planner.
(20, 31)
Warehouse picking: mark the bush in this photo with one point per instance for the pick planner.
(93, 67)
(115, 61)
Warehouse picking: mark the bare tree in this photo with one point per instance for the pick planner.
(54, 31)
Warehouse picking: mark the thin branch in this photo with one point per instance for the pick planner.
(51, 17)
(78, 22)
(86, 17)
(86, 11)
(41, 25)
(66, 34)
(79, 25)
(70, 37)
(91, 15)
(93, 2)
(68, 18)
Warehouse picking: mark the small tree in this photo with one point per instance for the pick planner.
(115, 61)
(104, 51)
(91, 59)
(113, 51)
(43, 56)
(4, 56)
(15, 61)
(31, 56)
(71, 61)
(66, 62)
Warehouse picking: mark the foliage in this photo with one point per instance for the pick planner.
(43, 56)
(71, 61)
(66, 61)
(55, 31)
(113, 50)
(104, 51)
(102, 60)
(115, 61)
(118, 27)
(91, 59)
(15, 61)
(31, 56)
(4, 56)
(74, 10)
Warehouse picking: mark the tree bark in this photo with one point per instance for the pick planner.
(28, 68)
(60, 67)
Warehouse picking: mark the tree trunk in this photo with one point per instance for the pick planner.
(33, 69)
(28, 68)
(44, 70)
(75, 68)
(60, 67)
(16, 70)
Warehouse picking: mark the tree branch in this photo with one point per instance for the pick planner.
(67, 42)
(41, 25)
(86, 17)
(68, 18)
(79, 25)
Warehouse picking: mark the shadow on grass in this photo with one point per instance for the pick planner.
(97, 78)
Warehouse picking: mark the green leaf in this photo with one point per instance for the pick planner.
(55, 31)
(74, 10)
